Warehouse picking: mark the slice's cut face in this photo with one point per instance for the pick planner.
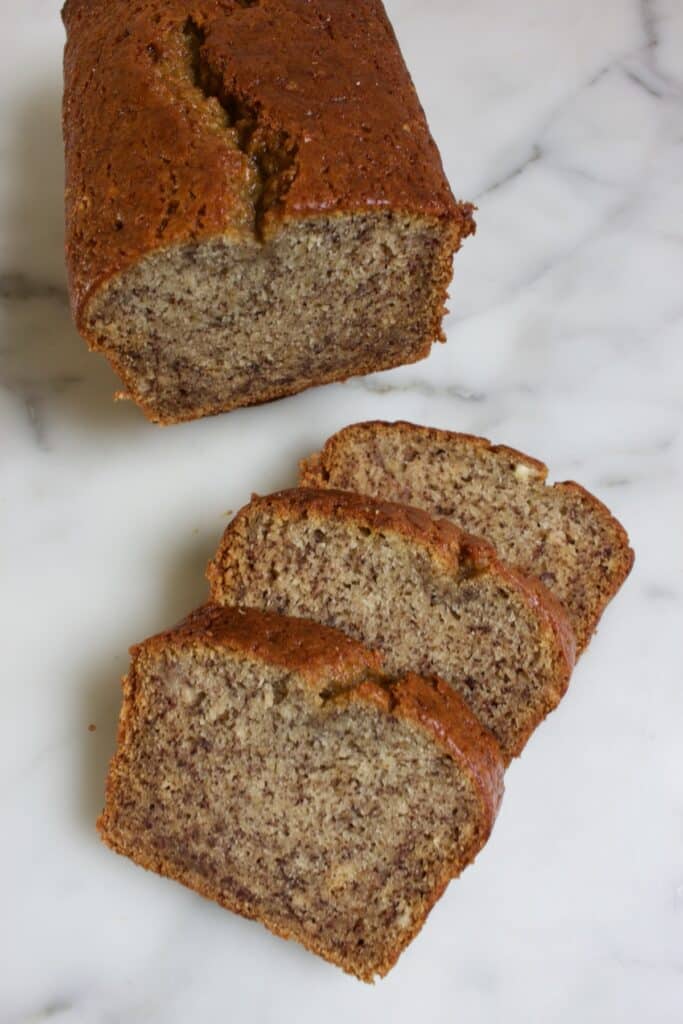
(313, 809)
(233, 321)
(560, 534)
(428, 610)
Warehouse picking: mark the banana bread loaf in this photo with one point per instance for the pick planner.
(431, 598)
(562, 534)
(254, 202)
(268, 764)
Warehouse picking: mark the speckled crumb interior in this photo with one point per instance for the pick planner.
(224, 323)
(329, 820)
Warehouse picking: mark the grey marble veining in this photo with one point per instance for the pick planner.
(564, 122)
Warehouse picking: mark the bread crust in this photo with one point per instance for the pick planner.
(298, 645)
(319, 654)
(314, 470)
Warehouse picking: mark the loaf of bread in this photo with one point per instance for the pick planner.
(431, 598)
(268, 764)
(254, 202)
(561, 534)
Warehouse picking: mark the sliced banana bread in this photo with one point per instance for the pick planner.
(562, 534)
(431, 598)
(268, 764)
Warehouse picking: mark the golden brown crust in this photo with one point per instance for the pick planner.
(315, 470)
(429, 705)
(453, 549)
(329, 85)
(315, 467)
(297, 644)
(449, 545)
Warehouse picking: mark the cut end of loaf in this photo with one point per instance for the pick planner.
(272, 212)
(336, 817)
(206, 327)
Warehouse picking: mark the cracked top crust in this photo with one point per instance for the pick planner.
(184, 121)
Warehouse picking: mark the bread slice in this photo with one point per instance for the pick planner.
(559, 533)
(268, 764)
(254, 202)
(431, 598)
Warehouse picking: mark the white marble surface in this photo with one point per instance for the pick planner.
(563, 119)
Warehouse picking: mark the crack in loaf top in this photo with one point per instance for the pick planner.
(155, 157)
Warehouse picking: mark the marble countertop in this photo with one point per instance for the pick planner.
(563, 120)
